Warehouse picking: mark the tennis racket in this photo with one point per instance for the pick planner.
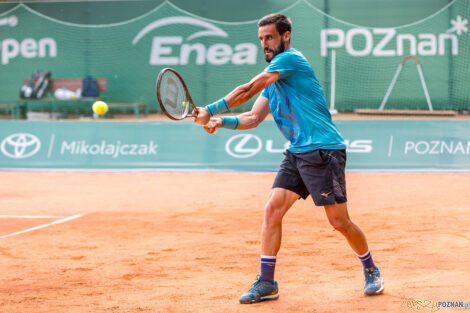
(173, 95)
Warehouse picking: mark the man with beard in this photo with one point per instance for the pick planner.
(315, 161)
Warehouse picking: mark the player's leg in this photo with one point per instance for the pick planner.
(323, 172)
(339, 218)
(265, 288)
(287, 188)
(280, 200)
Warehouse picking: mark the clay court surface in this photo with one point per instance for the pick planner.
(189, 242)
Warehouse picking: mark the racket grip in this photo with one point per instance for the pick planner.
(195, 109)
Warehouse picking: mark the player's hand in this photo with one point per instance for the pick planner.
(201, 116)
(213, 126)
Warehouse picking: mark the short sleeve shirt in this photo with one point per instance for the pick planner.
(298, 105)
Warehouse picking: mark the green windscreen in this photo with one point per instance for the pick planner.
(215, 53)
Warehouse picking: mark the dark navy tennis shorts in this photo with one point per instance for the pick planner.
(319, 173)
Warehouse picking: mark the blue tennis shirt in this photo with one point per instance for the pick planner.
(298, 105)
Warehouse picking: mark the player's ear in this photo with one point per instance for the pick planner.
(286, 36)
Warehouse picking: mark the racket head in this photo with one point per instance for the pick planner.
(173, 95)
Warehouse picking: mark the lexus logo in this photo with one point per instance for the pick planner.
(20, 146)
(243, 146)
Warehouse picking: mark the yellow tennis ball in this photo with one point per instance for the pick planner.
(100, 107)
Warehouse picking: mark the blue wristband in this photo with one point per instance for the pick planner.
(230, 122)
(218, 107)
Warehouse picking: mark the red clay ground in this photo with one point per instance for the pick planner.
(159, 242)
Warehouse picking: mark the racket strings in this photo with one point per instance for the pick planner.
(173, 96)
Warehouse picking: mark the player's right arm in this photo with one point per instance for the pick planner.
(246, 120)
(238, 96)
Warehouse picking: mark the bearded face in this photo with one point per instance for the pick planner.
(269, 54)
(272, 42)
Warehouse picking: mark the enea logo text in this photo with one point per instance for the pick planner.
(384, 42)
(28, 48)
(20, 146)
(176, 50)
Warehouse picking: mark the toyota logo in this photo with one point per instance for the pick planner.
(243, 146)
(20, 146)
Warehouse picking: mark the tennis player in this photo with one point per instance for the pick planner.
(315, 161)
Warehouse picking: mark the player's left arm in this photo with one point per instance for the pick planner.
(246, 120)
(236, 97)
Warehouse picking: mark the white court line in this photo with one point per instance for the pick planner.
(29, 216)
(42, 226)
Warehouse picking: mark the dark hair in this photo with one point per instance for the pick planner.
(282, 22)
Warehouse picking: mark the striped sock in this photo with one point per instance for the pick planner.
(268, 264)
(366, 260)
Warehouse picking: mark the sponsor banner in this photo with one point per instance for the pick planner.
(372, 145)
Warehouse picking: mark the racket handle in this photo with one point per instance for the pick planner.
(188, 116)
